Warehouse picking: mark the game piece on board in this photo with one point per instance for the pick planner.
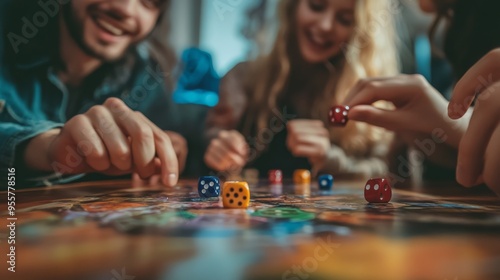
(289, 213)
(209, 186)
(235, 194)
(325, 182)
(275, 176)
(302, 176)
(338, 115)
(251, 176)
(378, 190)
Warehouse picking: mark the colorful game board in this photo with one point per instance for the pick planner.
(163, 233)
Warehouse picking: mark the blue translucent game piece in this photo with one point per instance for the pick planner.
(325, 182)
(209, 186)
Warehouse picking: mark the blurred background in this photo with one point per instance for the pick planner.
(209, 37)
(230, 30)
(237, 30)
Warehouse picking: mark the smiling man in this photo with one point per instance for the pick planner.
(78, 91)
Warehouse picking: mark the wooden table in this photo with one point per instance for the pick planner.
(108, 230)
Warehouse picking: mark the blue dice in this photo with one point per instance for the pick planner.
(209, 186)
(325, 182)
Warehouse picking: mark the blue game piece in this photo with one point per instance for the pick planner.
(325, 182)
(209, 186)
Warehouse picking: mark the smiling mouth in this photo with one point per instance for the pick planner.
(112, 24)
(318, 42)
(108, 27)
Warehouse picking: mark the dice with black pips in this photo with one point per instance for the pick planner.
(209, 186)
(236, 194)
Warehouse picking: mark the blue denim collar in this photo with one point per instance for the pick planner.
(115, 78)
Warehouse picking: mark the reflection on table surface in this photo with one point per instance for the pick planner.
(108, 230)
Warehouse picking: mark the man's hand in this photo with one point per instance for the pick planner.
(181, 150)
(110, 139)
(419, 108)
(180, 147)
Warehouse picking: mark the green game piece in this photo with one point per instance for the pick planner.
(293, 214)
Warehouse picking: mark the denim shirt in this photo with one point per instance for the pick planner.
(33, 99)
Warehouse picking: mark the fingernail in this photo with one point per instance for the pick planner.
(451, 112)
(455, 110)
(172, 179)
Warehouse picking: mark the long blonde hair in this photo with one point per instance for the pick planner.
(370, 52)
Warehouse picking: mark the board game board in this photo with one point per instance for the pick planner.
(288, 232)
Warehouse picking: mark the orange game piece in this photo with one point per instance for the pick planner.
(235, 194)
(302, 176)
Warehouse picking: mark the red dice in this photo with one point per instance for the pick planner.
(378, 191)
(275, 176)
(338, 115)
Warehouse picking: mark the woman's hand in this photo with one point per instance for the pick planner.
(419, 108)
(227, 152)
(309, 139)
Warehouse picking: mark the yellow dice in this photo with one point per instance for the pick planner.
(235, 194)
(302, 176)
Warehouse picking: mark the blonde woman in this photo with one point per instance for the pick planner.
(273, 112)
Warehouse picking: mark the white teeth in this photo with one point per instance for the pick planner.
(318, 40)
(110, 28)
